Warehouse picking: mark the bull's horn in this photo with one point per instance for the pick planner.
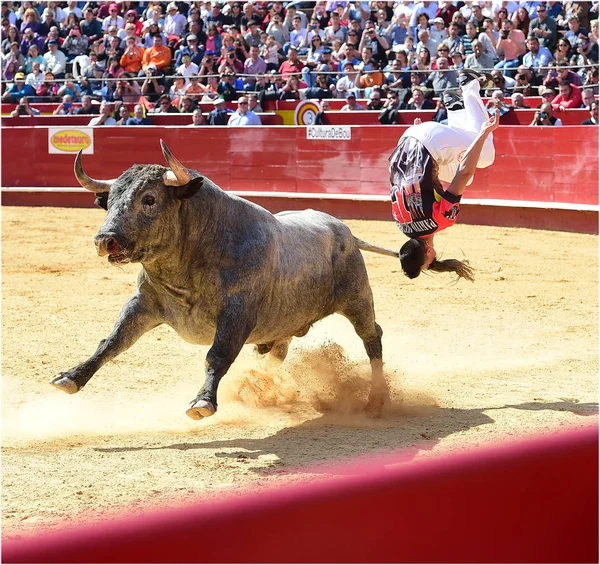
(89, 183)
(178, 175)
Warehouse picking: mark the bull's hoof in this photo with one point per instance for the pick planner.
(200, 409)
(65, 384)
(374, 407)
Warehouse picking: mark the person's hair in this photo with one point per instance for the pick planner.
(412, 256)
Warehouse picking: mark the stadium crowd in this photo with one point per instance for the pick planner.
(97, 57)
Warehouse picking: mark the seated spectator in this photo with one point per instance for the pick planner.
(458, 61)
(389, 111)
(348, 82)
(56, 60)
(127, 32)
(526, 81)
(518, 101)
(511, 44)
(544, 117)
(438, 31)
(31, 20)
(165, 106)
(132, 58)
(292, 65)
(192, 50)
(547, 94)
(186, 105)
(46, 92)
(468, 38)
(587, 97)
(291, 89)
(423, 61)
(369, 74)
(10, 70)
(35, 78)
(497, 102)
(425, 42)
(198, 118)
(442, 79)
(378, 44)
(139, 118)
(18, 90)
(24, 109)
(175, 23)
(158, 55)
(187, 68)
(226, 88)
(75, 44)
(320, 90)
(544, 28)
(313, 58)
(252, 35)
(152, 32)
(214, 40)
(441, 113)
(113, 47)
(220, 115)
(113, 19)
(128, 91)
(375, 102)
(104, 119)
(253, 104)
(478, 60)
(178, 88)
(537, 56)
(298, 36)
(153, 86)
(454, 40)
(195, 89)
(593, 119)
(502, 82)
(229, 62)
(90, 26)
(253, 66)
(418, 100)
(86, 106)
(591, 80)
(243, 116)
(351, 104)
(563, 52)
(269, 51)
(131, 18)
(29, 40)
(564, 73)
(569, 96)
(586, 54)
(71, 88)
(123, 115)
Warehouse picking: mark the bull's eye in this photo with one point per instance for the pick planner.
(148, 200)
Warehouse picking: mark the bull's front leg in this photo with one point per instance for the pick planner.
(234, 325)
(136, 318)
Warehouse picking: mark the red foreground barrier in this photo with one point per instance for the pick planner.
(529, 502)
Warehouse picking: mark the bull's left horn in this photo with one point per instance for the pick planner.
(178, 175)
(89, 183)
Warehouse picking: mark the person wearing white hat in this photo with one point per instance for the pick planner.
(175, 23)
(438, 30)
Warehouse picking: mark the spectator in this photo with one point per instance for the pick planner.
(468, 38)
(547, 94)
(186, 105)
(335, 29)
(91, 27)
(243, 116)
(31, 20)
(292, 65)
(18, 90)
(544, 117)
(572, 35)
(253, 104)
(563, 52)
(478, 60)
(192, 50)
(198, 118)
(427, 42)
(226, 88)
(454, 40)
(217, 17)
(24, 109)
(131, 17)
(587, 97)
(522, 20)
(128, 91)
(175, 23)
(229, 61)
(389, 111)
(71, 88)
(123, 115)
(441, 113)
(165, 106)
(178, 88)
(56, 61)
(537, 56)
(418, 100)
(518, 101)
(398, 77)
(127, 32)
(153, 31)
(497, 102)
(187, 68)
(35, 78)
(46, 92)
(438, 32)
(544, 28)
(158, 55)
(423, 61)
(113, 19)
(586, 54)
(220, 115)
(510, 46)
(139, 118)
(132, 58)
(564, 73)
(591, 80)
(569, 96)
(313, 58)
(320, 90)
(104, 119)
(476, 17)
(397, 30)
(253, 66)
(351, 104)
(153, 85)
(375, 102)
(209, 66)
(70, 22)
(489, 38)
(14, 55)
(29, 39)
(291, 89)
(86, 107)
(442, 79)
(501, 82)
(12, 37)
(593, 119)
(526, 82)
(75, 44)
(195, 89)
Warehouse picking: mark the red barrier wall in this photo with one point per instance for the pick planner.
(531, 502)
(532, 164)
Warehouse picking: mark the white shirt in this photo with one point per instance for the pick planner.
(108, 21)
(297, 37)
(188, 71)
(247, 119)
(110, 121)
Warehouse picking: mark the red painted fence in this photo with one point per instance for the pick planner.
(529, 502)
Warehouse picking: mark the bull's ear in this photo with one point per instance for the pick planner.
(188, 190)
(102, 200)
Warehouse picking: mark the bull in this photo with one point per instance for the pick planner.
(224, 272)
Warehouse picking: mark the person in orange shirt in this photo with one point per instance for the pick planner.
(131, 60)
(158, 55)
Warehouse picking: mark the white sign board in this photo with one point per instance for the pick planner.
(341, 133)
(65, 140)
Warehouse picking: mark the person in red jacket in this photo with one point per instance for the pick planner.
(569, 96)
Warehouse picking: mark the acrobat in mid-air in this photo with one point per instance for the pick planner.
(426, 155)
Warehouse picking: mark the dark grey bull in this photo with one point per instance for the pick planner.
(224, 272)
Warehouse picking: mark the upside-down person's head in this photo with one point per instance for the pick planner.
(417, 256)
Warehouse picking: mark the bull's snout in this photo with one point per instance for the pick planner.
(107, 244)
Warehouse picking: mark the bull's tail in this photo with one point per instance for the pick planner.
(374, 249)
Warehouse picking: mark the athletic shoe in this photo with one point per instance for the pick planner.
(453, 101)
(468, 75)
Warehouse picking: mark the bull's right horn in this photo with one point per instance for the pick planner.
(89, 183)
(178, 175)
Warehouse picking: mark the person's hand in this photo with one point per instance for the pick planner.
(418, 121)
(492, 124)
(562, 109)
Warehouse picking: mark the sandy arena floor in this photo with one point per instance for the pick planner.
(514, 353)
